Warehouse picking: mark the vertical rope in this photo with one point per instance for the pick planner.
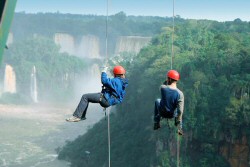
(108, 110)
(172, 56)
(178, 150)
(109, 136)
(106, 38)
(172, 61)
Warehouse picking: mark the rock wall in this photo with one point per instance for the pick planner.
(9, 79)
(88, 47)
(236, 153)
(131, 44)
(66, 42)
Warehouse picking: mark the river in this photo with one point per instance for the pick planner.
(30, 135)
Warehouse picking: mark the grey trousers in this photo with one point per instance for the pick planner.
(82, 107)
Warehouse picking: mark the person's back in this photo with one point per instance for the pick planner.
(171, 103)
(170, 98)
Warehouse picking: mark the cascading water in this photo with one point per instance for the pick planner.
(131, 44)
(33, 85)
(89, 47)
(9, 80)
(66, 42)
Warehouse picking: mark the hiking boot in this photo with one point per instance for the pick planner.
(180, 132)
(74, 119)
(157, 125)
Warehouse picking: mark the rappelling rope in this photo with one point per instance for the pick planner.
(108, 110)
(109, 136)
(172, 61)
(173, 29)
(106, 37)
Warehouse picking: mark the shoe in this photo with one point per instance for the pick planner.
(74, 119)
(157, 126)
(180, 132)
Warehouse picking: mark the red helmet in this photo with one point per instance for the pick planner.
(173, 75)
(119, 70)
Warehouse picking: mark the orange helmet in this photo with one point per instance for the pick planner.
(118, 70)
(173, 75)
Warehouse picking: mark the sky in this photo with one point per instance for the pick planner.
(220, 10)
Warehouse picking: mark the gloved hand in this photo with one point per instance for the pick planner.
(104, 69)
(180, 131)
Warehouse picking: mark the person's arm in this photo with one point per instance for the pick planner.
(180, 109)
(105, 80)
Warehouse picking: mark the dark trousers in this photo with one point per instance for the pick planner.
(160, 112)
(82, 107)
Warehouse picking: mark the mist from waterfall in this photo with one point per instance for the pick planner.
(33, 85)
(89, 82)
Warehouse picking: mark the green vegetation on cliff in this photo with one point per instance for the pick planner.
(213, 60)
(55, 70)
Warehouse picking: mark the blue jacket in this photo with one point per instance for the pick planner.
(114, 90)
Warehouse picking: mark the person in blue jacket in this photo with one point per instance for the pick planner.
(112, 93)
(171, 104)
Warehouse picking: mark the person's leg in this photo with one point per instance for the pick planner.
(157, 116)
(82, 107)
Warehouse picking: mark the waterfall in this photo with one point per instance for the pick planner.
(89, 47)
(66, 42)
(9, 80)
(131, 44)
(33, 85)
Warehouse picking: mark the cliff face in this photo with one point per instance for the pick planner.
(66, 42)
(236, 152)
(89, 45)
(131, 44)
(9, 79)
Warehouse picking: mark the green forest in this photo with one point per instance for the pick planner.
(213, 59)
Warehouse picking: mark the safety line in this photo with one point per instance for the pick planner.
(109, 135)
(106, 38)
(172, 61)
(108, 110)
(173, 29)
(178, 150)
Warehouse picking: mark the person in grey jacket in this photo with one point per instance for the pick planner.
(171, 104)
